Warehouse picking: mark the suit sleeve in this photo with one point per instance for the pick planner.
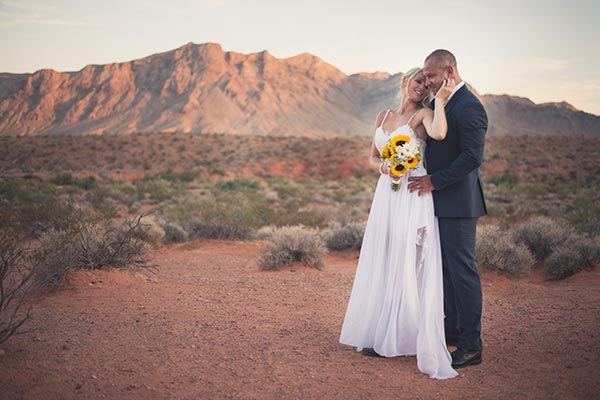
(471, 128)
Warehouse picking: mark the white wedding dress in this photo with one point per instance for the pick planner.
(397, 301)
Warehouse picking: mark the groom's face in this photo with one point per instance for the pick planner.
(434, 75)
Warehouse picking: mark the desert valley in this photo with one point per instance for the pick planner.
(140, 198)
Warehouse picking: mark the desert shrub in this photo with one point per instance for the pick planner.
(154, 190)
(584, 213)
(116, 245)
(541, 235)
(90, 245)
(291, 244)
(264, 233)
(56, 258)
(563, 263)
(237, 184)
(15, 289)
(233, 216)
(344, 237)
(32, 208)
(185, 176)
(495, 250)
(87, 183)
(587, 248)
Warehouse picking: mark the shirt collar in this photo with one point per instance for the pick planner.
(461, 84)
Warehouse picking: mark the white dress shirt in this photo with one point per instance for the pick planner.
(461, 84)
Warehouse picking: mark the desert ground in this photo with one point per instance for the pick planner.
(208, 324)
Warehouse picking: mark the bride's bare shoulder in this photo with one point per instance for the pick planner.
(426, 112)
(380, 117)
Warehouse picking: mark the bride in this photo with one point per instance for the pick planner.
(396, 305)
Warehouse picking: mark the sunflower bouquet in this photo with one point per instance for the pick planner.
(400, 154)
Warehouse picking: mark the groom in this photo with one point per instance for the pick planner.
(453, 167)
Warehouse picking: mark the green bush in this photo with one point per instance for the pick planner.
(87, 183)
(495, 250)
(237, 184)
(584, 213)
(235, 215)
(291, 244)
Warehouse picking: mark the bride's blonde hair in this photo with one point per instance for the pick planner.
(406, 78)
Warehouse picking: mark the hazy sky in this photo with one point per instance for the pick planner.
(546, 50)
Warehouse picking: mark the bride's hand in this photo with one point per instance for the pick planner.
(445, 90)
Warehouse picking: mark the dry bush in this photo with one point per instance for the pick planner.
(15, 288)
(89, 245)
(291, 244)
(264, 233)
(115, 245)
(174, 233)
(574, 254)
(344, 237)
(56, 258)
(495, 250)
(541, 235)
(562, 263)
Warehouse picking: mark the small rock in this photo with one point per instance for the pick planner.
(94, 377)
(2, 352)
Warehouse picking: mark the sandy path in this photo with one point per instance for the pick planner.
(209, 325)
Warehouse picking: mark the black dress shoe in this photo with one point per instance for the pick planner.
(367, 351)
(462, 358)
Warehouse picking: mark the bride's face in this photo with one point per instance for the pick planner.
(416, 89)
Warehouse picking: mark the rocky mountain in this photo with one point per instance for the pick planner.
(201, 88)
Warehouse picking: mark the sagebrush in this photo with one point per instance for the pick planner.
(495, 250)
(292, 244)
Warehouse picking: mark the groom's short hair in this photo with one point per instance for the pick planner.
(443, 58)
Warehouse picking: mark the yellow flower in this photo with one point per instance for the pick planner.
(388, 152)
(412, 162)
(399, 169)
(399, 140)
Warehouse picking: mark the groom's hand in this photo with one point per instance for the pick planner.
(421, 183)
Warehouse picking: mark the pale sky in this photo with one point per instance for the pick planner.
(546, 50)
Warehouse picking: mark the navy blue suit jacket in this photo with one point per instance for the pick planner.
(453, 163)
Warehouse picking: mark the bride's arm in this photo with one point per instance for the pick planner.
(435, 122)
(374, 159)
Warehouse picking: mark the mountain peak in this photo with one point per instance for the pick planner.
(202, 88)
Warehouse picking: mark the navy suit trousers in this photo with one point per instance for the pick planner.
(462, 285)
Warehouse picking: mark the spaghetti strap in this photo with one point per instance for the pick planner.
(383, 120)
(411, 118)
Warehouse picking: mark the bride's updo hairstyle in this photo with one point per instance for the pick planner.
(410, 75)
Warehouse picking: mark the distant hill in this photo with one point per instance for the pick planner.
(201, 88)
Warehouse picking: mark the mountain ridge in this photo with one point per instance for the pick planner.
(202, 88)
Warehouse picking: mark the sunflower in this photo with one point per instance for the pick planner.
(388, 152)
(399, 169)
(412, 162)
(399, 140)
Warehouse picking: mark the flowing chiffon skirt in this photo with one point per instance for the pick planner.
(396, 305)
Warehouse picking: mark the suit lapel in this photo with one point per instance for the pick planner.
(459, 93)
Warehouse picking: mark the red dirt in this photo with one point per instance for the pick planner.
(209, 324)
